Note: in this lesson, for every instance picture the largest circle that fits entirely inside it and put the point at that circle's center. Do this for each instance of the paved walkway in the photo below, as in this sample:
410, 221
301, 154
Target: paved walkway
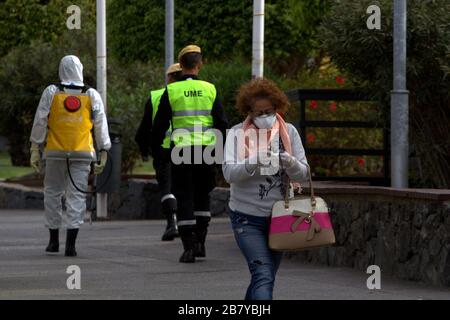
127, 260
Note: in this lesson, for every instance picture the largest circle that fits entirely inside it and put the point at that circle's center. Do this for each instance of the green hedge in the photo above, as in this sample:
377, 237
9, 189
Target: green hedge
222, 28
24, 21
366, 55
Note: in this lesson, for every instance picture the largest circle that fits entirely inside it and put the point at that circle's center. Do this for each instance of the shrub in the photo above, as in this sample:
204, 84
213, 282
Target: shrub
222, 28
128, 90
228, 76
26, 71
22, 21
327, 76
367, 56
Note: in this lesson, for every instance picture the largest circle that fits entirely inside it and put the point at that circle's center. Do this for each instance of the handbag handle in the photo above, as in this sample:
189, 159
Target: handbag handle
311, 188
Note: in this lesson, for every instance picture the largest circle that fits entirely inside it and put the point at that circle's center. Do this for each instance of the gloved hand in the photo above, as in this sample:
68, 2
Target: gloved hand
287, 161
99, 166
259, 160
35, 158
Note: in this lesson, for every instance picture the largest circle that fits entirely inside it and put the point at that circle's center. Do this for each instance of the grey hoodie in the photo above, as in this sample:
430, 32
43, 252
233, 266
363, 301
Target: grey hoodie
254, 193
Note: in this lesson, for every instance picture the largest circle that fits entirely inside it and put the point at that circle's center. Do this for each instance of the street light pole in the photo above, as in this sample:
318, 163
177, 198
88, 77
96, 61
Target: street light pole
258, 39
399, 101
102, 198
169, 34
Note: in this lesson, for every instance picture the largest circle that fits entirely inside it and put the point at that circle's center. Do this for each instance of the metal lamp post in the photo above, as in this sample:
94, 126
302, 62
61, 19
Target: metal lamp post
399, 101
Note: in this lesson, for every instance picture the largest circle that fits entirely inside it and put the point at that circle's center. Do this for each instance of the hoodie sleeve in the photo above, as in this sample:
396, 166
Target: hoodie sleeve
39, 130
233, 169
299, 171
99, 118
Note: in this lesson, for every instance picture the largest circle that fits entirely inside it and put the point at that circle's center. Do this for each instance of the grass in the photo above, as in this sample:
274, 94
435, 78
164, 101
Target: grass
144, 167
7, 170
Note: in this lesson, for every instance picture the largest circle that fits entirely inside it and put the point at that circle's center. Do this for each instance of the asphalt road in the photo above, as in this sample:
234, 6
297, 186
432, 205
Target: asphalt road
127, 260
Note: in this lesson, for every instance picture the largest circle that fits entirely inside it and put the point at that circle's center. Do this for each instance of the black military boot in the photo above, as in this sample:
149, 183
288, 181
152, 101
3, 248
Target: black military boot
53, 244
70, 242
188, 240
171, 231
169, 208
199, 248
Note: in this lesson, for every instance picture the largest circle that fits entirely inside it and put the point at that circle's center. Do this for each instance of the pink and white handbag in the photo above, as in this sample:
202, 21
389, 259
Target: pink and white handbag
301, 223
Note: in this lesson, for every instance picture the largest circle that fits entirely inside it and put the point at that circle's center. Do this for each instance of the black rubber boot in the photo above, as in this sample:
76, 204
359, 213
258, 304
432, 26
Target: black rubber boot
199, 248
188, 240
169, 208
70, 242
171, 231
53, 244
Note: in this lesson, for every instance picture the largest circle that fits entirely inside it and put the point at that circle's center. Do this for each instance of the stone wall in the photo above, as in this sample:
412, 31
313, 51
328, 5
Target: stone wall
16, 196
137, 199
140, 199
408, 239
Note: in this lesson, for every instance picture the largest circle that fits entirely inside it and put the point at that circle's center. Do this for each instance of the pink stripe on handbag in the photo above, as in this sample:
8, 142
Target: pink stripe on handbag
284, 223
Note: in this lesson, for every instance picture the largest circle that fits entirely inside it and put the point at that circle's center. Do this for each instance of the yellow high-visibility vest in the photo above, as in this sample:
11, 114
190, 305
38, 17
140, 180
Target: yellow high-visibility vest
156, 98
192, 102
70, 127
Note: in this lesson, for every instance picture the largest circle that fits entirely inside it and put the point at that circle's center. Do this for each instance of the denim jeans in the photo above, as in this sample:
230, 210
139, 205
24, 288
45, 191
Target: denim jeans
251, 234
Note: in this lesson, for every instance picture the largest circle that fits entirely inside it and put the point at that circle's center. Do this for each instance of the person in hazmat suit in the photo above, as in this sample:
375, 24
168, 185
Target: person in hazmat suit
67, 114
161, 157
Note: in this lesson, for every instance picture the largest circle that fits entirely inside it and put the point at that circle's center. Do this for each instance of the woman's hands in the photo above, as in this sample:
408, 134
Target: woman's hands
287, 160
261, 159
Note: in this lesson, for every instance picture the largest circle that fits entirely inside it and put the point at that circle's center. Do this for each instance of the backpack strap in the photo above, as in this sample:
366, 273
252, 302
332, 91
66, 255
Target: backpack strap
62, 86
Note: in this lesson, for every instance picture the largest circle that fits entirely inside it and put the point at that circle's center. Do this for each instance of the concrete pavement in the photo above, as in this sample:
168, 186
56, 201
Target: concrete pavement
127, 260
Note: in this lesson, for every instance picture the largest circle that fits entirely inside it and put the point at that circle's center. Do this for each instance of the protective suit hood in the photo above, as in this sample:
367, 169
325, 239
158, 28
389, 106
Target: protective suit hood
71, 71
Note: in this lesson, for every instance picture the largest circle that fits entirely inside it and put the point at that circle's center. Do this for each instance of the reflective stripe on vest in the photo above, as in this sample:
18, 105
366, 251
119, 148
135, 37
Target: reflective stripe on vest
69, 131
192, 102
156, 98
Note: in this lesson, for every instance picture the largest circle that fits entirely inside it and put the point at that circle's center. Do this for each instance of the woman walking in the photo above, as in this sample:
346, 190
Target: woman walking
260, 153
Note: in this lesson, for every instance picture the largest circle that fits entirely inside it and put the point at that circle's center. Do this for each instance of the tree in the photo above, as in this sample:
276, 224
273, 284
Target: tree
222, 28
367, 56
26, 71
22, 21
34, 38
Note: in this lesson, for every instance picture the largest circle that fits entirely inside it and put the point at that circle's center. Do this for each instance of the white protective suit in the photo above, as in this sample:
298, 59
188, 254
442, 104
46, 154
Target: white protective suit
56, 181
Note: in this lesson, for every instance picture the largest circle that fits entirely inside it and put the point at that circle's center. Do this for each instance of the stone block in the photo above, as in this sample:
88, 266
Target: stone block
219, 199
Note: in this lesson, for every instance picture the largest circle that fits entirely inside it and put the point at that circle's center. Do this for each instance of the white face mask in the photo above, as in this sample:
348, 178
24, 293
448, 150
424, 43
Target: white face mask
265, 122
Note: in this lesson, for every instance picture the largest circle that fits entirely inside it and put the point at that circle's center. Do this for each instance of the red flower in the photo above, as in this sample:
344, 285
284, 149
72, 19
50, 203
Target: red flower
340, 80
333, 106
311, 138
361, 162
313, 104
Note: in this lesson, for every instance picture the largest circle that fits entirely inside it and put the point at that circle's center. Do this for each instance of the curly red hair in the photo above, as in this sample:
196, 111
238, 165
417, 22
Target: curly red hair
261, 88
